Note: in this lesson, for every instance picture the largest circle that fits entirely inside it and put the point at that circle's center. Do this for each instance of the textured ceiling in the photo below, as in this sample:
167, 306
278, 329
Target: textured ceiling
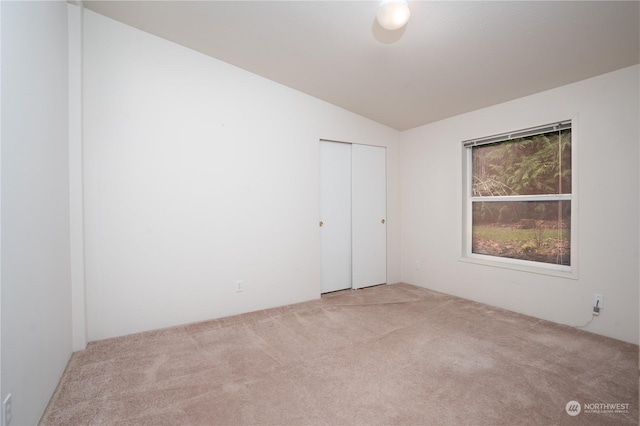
452, 57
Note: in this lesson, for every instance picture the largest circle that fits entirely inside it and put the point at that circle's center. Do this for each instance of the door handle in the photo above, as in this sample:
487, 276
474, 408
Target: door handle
382, 221
321, 224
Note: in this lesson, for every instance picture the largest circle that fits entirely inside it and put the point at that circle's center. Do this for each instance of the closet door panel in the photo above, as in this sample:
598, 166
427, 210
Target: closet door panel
335, 216
368, 201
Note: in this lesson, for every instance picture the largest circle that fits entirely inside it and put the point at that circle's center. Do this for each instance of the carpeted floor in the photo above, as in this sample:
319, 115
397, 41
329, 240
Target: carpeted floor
388, 355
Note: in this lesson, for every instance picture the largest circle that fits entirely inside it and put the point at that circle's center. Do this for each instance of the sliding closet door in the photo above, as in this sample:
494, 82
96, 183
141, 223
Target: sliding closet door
335, 216
369, 210
353, 236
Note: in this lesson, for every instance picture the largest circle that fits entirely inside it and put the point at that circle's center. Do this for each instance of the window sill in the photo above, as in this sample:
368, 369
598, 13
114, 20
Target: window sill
521, 265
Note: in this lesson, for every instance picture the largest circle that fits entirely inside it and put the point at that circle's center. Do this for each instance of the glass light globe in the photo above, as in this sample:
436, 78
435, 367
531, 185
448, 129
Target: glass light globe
393, 14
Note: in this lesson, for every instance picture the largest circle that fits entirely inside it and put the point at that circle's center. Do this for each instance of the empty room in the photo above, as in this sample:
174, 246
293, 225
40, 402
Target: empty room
319, 212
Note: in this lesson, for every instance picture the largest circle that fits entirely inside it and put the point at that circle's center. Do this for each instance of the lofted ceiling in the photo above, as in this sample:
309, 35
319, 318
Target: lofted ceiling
452, 57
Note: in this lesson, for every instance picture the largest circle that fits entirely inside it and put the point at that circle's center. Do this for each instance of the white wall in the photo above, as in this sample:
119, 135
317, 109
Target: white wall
36, 302
608, 215
198, 174
76, 180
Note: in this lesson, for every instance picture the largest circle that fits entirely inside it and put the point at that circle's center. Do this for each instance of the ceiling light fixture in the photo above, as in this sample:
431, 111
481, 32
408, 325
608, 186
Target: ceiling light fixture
393, 14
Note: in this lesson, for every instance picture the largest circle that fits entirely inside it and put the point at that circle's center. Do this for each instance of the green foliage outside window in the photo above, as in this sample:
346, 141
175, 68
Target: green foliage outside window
523, 227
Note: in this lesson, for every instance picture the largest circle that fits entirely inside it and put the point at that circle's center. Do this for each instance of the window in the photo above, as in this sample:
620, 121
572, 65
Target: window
519, 198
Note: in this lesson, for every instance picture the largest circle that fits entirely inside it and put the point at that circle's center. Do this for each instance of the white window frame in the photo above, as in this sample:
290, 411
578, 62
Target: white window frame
563, 271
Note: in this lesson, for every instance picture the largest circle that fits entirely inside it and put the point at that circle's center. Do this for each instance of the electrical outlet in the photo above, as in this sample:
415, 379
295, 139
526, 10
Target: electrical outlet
598, 303
6, 411
417, 264
239, 286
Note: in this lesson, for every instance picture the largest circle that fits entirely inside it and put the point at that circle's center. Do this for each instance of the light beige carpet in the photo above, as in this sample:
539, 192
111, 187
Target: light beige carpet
388, 355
